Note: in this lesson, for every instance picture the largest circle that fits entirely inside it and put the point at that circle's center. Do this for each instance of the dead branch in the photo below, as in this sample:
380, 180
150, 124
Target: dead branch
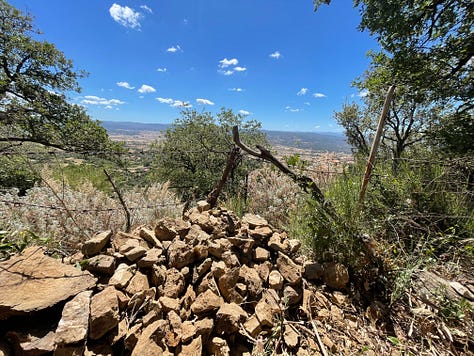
125, 208
306, 183
231, 160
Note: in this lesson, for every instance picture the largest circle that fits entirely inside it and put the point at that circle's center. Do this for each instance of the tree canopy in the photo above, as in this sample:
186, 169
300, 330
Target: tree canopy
195, 151
34, 79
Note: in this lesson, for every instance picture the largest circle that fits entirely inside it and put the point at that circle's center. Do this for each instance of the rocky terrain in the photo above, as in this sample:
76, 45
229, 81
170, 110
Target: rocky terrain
208, 284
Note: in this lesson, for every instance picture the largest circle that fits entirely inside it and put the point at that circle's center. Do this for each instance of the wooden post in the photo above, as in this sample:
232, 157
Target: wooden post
375, 144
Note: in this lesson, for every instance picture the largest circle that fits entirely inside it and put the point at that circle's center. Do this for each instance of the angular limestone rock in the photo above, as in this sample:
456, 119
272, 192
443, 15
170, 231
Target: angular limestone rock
206, 302
104, 313
290, 271
96, 244
101, 263
32, 281
74, 323
228, 318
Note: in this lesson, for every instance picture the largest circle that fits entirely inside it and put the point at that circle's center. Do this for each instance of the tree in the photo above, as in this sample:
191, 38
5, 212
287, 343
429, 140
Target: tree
195, 150
34, 79
427, 48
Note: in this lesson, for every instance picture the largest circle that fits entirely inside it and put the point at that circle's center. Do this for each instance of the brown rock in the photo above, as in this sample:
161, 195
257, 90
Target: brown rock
174, 283
254, 221
253, 326
290, 271
200, 251
218, 347
151, 257
294, 245
168, 229
204, 327
290, 336
188, 331
135, 253
150, 340
228, 318
275, 280
157, 275
263, 270
193, 349
227, 284
66, 350
149, 236
218, 247
291, 295
230, 259
278, 243
335, 275
264, 314
175, 322
200, 270
31, 345
101, 349
169, 304
261, 255
206, 302
104, 313
260, 233
122, 238
122, 276
218, 268
132, 336
101, 264
197, 234
96, 244
203, 205
251, 280
74, 323
180, 254
138, 283
32, 281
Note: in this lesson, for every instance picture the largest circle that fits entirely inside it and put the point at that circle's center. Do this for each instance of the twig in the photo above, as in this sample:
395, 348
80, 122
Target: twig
231, 160
127, 212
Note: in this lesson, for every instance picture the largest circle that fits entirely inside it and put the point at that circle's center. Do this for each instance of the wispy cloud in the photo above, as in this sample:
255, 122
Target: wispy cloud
174, 103
363, 93
163, 70
224, 63
240, 69
125, 85
302, 91
236, 89
125, 16
275, 55
227, 72
146, 8
174, 49
289, 108
244, 112
95, 100
144, 89
204, 102
319, 95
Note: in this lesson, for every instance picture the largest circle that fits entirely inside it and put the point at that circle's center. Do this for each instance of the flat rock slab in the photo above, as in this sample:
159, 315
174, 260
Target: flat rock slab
32, 281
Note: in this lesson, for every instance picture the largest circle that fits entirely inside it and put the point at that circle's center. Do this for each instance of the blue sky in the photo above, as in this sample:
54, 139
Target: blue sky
276, 61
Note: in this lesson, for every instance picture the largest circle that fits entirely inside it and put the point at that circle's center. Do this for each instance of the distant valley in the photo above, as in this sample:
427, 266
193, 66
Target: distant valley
319, 142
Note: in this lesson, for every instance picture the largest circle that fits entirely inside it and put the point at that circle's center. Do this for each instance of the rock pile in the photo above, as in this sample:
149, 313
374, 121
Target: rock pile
206, 284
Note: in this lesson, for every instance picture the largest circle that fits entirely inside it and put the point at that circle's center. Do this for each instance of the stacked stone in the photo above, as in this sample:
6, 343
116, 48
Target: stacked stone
205, 284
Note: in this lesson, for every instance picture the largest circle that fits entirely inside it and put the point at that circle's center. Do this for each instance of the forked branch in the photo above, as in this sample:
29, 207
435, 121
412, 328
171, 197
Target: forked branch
306, 183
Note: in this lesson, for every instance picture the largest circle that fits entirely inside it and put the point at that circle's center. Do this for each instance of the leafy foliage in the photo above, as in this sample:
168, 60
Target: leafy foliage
34, 77
195, 150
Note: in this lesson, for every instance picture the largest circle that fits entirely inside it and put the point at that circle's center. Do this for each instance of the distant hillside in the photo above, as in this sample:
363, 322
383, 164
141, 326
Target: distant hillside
332, 142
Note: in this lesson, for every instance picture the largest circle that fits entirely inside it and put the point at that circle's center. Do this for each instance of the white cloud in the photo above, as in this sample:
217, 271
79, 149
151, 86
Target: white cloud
146, 8
302, 91
244, 112
275, 55
240, 69
319, 95
125, 85
165, 100
125, 16
95, 100
163, 70
144, 89
224, 63
174, 103
307, 103
236, 89
204, 102
227, 72
317, 127
108, 107
174, 49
